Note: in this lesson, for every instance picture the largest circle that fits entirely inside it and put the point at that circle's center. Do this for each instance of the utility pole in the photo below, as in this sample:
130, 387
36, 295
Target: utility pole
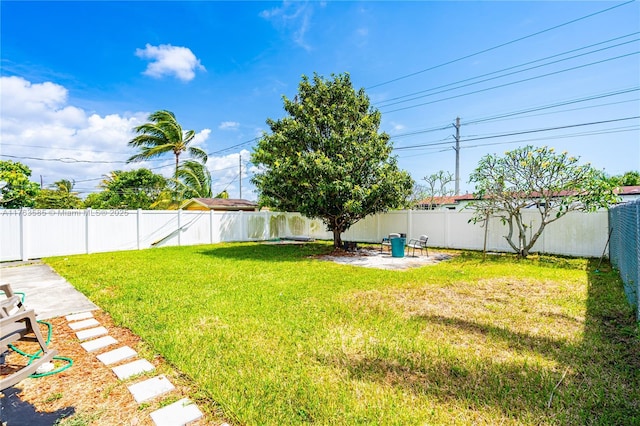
240, 173
457, 149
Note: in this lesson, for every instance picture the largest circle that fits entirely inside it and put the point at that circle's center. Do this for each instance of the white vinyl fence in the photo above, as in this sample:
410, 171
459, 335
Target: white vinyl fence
31, 234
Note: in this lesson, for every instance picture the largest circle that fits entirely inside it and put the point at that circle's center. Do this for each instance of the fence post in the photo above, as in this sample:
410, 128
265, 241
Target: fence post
87, 213
179, 226
23, 237
210, 226
138, 214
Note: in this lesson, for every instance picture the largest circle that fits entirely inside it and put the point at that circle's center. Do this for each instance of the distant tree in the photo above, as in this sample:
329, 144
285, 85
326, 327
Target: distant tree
60, 197
162, 135
631, 178
224, 194
553, 184
327, 160
16, 190
437, 186
193, 180
135, 189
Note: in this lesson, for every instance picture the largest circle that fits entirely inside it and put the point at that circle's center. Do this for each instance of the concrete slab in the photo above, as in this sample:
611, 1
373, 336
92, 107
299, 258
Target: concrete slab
79, 325
177, 414
78, 317
97, 344
151, 388
91, 333
131, 369
117, 355
46, 292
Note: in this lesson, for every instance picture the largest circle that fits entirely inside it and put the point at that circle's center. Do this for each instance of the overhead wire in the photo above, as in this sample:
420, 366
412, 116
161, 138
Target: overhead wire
514, 82
388, 104
500, 45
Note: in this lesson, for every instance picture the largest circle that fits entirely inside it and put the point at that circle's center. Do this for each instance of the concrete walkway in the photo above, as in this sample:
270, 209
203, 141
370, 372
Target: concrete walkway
45, 291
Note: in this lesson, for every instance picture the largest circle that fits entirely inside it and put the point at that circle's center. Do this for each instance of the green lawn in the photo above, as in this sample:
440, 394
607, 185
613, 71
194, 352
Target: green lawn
277, 337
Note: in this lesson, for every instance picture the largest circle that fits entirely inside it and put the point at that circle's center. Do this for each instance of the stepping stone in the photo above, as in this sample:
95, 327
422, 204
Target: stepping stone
80, 316
83, 324
91, 333
177, 414
102, 342
150, 389
133, 368
117, 355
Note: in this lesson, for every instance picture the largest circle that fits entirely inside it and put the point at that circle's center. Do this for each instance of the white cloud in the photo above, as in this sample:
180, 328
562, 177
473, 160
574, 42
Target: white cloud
200, 138
229, 125
170, 60
60, 141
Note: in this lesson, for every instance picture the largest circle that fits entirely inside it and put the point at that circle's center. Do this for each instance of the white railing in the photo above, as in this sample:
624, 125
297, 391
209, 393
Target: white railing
31, 234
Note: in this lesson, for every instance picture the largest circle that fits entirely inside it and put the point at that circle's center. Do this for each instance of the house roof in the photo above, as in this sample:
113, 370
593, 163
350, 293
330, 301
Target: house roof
452, 199
628, 190
221, 203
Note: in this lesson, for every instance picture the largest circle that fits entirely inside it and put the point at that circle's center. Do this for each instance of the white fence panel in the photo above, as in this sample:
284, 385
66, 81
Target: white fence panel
10, 235
111, 230
29, 234
54, 234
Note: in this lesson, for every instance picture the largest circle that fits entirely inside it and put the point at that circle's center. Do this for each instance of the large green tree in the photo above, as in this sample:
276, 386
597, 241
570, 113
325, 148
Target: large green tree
327, 159
163, 134
135, 189
16, 190
630, 178
535, 178
61, 196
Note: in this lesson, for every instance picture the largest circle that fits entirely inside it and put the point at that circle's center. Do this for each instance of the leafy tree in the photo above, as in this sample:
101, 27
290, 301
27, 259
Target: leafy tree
631, 178
193, 180
554, 184
61, 197
224, 194
164, 134
16, 190
437, 186
135, 189
327, 160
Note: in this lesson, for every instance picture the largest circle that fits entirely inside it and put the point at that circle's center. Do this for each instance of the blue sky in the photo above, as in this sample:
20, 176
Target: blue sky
78, 76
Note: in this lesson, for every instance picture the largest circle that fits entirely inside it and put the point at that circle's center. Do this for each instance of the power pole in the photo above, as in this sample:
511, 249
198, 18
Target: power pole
457, 149
240, 173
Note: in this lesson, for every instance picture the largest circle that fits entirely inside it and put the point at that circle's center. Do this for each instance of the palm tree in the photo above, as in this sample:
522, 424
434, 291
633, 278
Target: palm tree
193, 179
164, 134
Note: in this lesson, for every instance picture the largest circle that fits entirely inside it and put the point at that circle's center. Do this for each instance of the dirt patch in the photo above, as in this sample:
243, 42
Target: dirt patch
89, 393
367, 257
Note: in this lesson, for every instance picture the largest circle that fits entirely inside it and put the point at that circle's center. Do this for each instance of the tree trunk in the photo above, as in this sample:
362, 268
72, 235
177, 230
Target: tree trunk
337, 239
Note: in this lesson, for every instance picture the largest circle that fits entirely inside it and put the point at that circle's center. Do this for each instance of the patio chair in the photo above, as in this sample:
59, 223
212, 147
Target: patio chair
418, 244
19, 324
386, 241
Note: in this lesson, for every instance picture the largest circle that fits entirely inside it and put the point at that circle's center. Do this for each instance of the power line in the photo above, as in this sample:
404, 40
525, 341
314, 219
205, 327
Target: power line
513, 82
527, 110
499, 46
387, 103
521, 132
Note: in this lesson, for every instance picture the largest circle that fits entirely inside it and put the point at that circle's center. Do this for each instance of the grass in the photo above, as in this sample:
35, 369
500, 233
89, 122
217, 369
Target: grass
276, 336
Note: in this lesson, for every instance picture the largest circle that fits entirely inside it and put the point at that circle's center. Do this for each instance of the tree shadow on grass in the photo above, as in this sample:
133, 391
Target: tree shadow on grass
595, 381
267, 252
16, 412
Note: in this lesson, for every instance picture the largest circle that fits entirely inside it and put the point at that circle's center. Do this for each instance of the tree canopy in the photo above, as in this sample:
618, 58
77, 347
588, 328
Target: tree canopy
16, 190
135, 189
60, 196
535, 178
326, 159
164, 134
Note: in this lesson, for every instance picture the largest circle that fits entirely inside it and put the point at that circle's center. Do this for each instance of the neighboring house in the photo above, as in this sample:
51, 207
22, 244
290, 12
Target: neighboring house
452, 202
459, 202
628, 193
219, 204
